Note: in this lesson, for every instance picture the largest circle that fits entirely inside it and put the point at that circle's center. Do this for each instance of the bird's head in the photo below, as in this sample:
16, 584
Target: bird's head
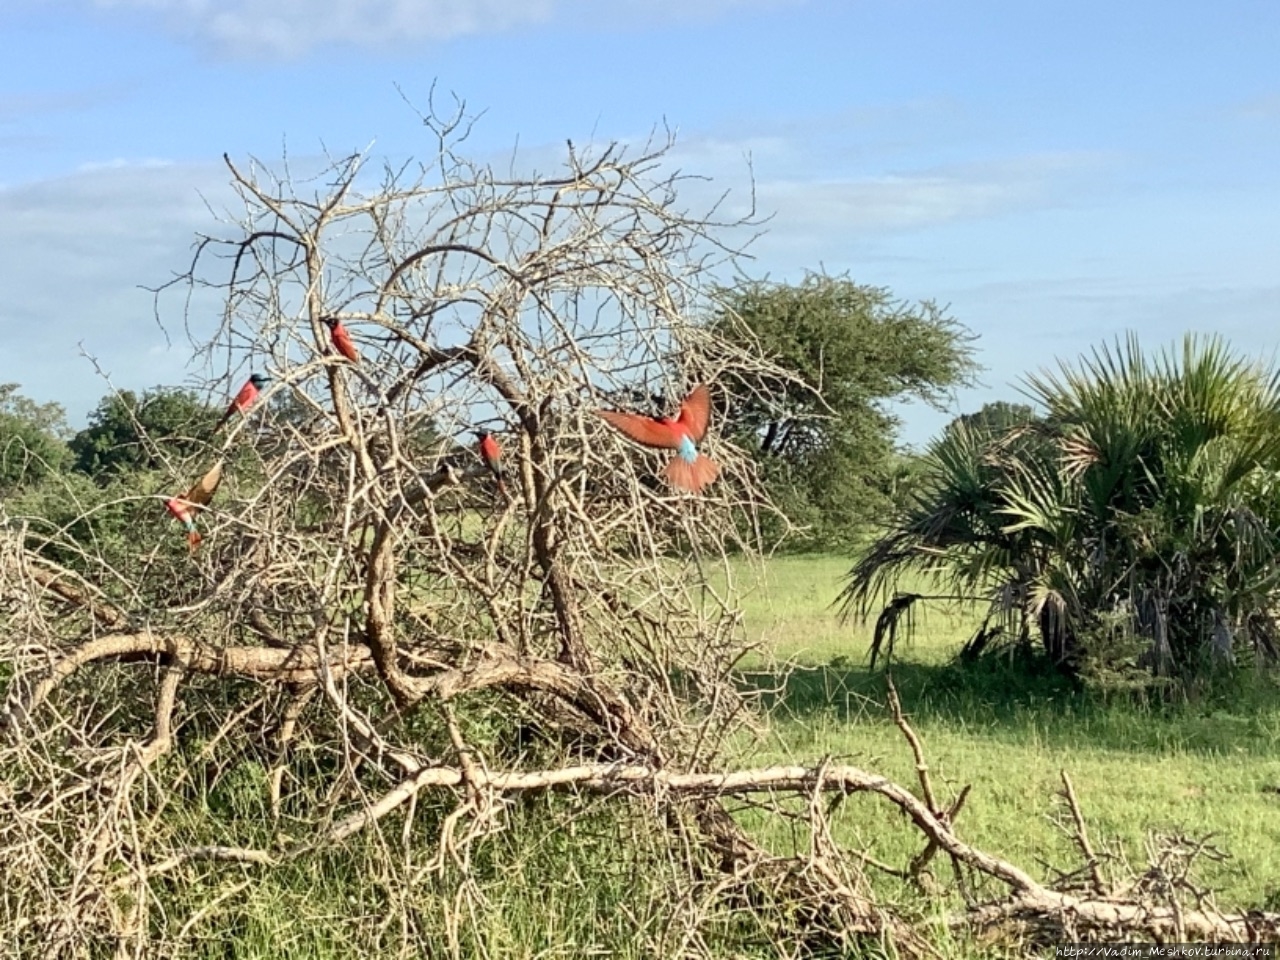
258, 380
329, 322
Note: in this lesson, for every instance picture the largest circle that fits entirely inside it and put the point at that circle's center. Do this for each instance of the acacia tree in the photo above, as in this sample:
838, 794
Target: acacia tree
997, 418
824, 435
375, 658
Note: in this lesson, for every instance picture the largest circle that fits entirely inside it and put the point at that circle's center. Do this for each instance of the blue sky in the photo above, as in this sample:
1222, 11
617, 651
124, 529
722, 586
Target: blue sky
1057, 173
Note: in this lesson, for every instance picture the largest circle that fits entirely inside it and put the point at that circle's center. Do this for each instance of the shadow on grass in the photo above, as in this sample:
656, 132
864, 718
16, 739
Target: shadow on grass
1021, 699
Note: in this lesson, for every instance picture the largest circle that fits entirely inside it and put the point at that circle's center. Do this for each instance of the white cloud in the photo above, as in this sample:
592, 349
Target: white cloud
15, 105
924, 198
813, 217
75, 253
290, 28
123, 163
891, 202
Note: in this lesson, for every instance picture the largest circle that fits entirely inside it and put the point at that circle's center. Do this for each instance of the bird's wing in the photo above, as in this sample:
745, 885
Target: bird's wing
695, 411
342, 340
203, 492
692, 476
642, 429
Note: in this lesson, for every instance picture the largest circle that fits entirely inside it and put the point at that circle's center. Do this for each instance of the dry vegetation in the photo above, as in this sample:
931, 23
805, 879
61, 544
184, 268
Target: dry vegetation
407, 657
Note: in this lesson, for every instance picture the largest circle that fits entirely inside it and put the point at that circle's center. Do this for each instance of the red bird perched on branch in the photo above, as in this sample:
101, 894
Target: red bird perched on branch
688, 469
245, 399
185, 507
341, 339
491, 454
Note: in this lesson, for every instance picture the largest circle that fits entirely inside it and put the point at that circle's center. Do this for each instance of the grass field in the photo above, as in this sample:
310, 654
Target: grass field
563, 882
1210, 765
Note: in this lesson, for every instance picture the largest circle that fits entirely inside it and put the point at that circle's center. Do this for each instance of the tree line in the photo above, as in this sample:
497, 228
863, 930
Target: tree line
1127, 522
826, 446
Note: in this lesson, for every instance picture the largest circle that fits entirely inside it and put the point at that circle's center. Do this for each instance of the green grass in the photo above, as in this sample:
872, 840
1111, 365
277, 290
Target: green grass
557, 884
1208, 765
789, 610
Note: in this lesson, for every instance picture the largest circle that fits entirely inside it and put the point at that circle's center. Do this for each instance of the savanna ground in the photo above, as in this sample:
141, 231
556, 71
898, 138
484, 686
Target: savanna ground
1207, 763
1204, 765
561, 884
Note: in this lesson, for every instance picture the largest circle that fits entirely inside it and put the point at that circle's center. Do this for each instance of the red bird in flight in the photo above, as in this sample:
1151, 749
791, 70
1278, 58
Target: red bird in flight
491, 454
185, 507
244, 399
688, 469
341, 339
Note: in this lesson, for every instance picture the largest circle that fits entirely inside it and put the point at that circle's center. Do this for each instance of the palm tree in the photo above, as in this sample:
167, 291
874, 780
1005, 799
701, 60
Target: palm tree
1145, 495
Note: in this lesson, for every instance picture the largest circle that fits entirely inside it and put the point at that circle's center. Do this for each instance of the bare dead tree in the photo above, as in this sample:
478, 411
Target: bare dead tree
399, 648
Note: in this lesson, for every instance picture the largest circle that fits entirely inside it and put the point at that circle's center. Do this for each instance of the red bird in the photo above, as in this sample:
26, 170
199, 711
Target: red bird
491, 454
185, 507
688, 469
244, 399
341, 339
